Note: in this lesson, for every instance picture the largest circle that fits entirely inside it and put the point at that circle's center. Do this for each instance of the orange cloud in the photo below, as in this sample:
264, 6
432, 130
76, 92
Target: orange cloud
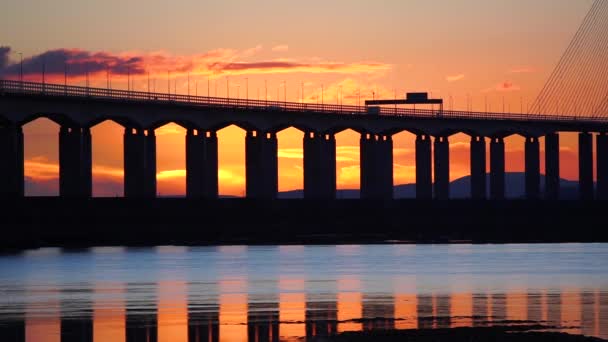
97, 65
350, 91
280, 48
522, 70
454, 78
507, 86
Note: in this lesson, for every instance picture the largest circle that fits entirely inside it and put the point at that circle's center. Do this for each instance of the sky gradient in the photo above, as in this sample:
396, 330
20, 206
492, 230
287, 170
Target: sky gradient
475, 54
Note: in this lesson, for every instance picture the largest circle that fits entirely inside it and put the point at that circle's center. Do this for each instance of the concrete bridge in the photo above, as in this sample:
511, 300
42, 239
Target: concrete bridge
77, 109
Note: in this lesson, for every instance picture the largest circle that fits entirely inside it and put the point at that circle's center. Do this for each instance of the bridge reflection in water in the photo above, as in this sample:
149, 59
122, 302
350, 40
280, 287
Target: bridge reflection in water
280, 293
237, 317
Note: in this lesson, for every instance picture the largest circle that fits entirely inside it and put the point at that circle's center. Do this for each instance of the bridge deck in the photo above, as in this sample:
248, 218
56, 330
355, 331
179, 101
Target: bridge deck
58, 90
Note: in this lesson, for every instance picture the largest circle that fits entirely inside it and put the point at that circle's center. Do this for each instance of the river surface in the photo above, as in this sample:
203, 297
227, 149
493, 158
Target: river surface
272, 293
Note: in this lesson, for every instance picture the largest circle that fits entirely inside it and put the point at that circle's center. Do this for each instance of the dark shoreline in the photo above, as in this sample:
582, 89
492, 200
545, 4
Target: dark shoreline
37, 222
477, 334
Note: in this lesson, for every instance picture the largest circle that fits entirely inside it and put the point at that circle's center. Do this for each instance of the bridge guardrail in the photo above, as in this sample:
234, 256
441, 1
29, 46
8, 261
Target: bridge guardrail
49, 89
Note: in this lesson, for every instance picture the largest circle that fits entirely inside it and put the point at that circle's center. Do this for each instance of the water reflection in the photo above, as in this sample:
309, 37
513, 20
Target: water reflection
281, 294
240, 318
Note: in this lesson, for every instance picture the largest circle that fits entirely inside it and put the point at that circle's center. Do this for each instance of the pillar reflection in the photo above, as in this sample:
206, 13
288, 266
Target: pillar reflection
76, 317
480, 309
424, 311
141, 314
321, 317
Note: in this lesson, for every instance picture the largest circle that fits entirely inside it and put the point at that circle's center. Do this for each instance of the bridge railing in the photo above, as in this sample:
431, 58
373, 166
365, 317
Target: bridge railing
58, 90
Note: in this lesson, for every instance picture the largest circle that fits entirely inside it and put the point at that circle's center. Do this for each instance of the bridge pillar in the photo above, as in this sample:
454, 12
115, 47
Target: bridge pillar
75, 163
194, 164
385, 173
150, 155
376, 160
261, 154
424, 184
532, 160
552, 166
478, 167
201, 164
11, 161
442, 168
602, 166
585, 166
210, 186
139, 163
497, 169
319, 166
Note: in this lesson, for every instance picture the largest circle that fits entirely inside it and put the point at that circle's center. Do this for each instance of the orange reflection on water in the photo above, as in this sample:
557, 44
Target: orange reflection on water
292, 308
233, 310
43, 326
406, 311
349, 300
517, 306
349, 308
571, 313
172, 311
461, 310
109, 319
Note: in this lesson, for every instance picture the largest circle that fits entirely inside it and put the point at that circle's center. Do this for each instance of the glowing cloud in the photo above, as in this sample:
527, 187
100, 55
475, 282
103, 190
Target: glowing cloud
507, 86
454, 78
78, 63
522, 70
280, 48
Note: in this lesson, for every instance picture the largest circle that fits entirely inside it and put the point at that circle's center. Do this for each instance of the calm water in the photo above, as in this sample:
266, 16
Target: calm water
282, 292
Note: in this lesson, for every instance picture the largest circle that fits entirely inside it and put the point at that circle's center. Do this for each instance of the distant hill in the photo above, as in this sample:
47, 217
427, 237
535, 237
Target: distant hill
461, 188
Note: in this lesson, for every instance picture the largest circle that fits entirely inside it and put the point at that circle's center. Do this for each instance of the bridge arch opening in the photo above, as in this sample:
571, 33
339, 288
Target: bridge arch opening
291, 163
569, 168
170, 160
41, 157
107, 159
348, 164
515, 166
404, 165
231, 161
460, 165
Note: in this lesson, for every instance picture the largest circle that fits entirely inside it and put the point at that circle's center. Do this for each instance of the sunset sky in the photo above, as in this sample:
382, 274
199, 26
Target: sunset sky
497, 53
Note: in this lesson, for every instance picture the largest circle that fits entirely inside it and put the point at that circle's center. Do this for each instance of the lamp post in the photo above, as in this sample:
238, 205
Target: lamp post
247, 90
21, 67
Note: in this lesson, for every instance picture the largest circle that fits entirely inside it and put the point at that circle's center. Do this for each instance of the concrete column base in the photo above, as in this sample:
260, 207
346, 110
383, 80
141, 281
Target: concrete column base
11, 161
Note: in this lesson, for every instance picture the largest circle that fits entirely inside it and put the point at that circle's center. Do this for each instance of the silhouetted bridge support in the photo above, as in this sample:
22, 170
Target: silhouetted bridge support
11, 161
497, 169
442, 168
424, 184
532, 166
585, 160
201, 164
77, 109
262, 169
602, 166
552, 166
140, 163
478, 168
376, 160
75, 162
319, 166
